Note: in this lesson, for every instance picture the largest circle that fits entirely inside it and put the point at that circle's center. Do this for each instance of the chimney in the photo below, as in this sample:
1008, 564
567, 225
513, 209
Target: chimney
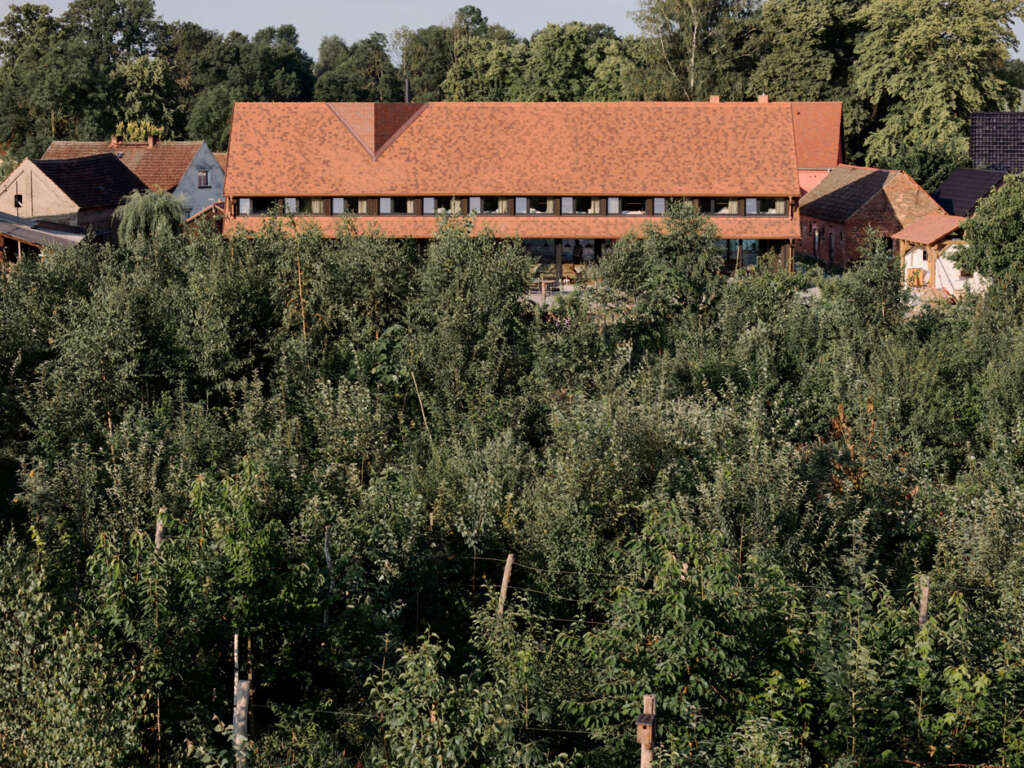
115, 141
151, 140
407, 90
762, 99
715, 99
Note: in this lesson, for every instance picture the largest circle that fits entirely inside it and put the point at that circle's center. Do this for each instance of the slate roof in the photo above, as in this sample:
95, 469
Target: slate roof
489, 148
160, 166
843, 192
99, 181
997, 141
960, 193
929, 229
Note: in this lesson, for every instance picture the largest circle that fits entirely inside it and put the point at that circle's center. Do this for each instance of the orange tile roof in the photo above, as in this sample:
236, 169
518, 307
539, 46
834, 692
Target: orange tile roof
222, 159
488, 148
160, 166
818, 126
930, 229
527, 227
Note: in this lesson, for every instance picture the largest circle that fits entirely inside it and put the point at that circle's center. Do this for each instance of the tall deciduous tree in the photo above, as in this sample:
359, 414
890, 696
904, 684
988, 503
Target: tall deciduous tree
924, 67
695, 45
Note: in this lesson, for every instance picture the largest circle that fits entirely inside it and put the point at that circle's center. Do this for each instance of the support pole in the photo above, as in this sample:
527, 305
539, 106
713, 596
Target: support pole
645, 731
240, 725
922, 614
504, 583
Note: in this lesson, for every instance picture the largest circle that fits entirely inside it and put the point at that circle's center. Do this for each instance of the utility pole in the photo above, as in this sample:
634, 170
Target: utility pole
504, 583
645, 731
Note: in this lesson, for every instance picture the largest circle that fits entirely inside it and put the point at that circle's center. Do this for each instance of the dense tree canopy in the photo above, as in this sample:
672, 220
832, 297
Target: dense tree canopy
727, 491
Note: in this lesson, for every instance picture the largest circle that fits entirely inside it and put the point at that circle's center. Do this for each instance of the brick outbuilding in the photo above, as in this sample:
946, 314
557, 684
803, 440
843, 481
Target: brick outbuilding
835, 215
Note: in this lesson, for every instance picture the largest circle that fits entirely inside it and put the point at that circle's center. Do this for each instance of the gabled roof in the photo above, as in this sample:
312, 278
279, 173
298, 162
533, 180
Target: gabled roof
100, 181
997, 141
930, 229
160, 166
960, 193
222, 159
818, 126
843, 192
491, 148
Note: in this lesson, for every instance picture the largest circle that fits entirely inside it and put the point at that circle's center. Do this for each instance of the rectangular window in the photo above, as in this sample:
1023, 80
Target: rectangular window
429, 206
659, 206
613, 206
291, 205
634, 206
773, 206
752, 207
581, 205
495, 206
539, 205
401, 205
17, 201
337, 205
385, 206
357, 205
203, 180
319, 206
245, 206
521, 206
474, 204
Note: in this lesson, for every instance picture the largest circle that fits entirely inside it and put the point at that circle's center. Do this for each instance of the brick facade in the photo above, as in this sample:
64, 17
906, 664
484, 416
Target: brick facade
900, 201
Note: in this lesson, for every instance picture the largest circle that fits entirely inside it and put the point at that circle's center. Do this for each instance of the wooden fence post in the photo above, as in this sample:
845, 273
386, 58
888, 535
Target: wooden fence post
504, 583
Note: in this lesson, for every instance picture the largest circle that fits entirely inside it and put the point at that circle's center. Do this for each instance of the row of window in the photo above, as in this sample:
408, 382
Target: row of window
502, 206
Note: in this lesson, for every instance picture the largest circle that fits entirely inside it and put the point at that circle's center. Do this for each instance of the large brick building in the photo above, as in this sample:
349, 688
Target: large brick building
554, 174
835, 215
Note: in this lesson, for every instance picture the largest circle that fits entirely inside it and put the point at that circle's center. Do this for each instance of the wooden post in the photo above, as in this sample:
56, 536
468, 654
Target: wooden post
645, 725
922, 614
504, 583
558, 263
240, 724
931, 266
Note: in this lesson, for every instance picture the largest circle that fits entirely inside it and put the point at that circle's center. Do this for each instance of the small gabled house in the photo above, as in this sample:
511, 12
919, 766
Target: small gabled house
927, 250
836, 214
187, 169
80, 192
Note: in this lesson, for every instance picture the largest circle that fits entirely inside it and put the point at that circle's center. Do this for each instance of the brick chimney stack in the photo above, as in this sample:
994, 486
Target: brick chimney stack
151, 141
715, 99
762, 99
115, 141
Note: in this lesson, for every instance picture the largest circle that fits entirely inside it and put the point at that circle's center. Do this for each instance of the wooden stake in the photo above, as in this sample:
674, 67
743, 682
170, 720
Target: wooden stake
240, 725
504, 583
645, 731
922, 615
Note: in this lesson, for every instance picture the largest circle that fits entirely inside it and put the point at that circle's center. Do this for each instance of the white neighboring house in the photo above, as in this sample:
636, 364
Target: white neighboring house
927, 249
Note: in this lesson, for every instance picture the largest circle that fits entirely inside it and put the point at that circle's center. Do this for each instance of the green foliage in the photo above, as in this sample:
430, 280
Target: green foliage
996, 234
145, 216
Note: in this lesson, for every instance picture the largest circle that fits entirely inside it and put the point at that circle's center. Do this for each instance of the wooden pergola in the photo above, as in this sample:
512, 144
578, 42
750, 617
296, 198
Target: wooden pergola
933, 233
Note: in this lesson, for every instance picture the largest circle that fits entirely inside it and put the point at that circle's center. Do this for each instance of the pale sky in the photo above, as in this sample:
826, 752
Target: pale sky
355, 19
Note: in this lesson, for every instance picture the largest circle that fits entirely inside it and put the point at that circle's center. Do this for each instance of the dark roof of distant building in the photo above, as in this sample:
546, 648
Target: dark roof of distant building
39, 233
997, 141
844, 192
100, 181
160, 164
960, 193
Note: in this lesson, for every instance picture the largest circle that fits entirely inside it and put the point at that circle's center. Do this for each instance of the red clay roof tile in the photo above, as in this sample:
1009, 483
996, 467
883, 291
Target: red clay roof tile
478, 148
818, 126
160, 166
930, 229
